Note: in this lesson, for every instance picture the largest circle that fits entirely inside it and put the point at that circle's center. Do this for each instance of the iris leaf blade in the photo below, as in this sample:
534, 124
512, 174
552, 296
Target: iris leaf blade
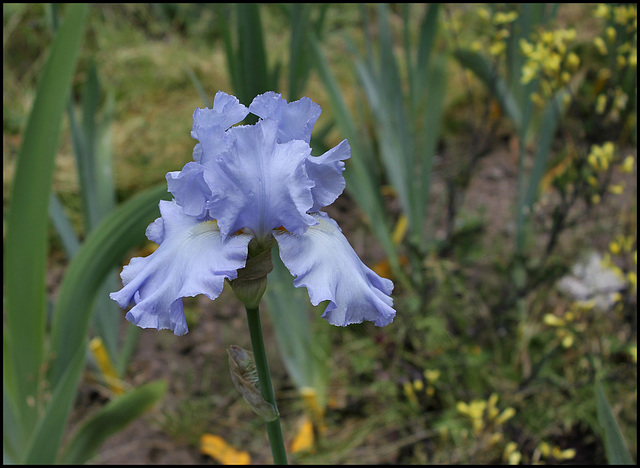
110, 419
27, 229
616, 447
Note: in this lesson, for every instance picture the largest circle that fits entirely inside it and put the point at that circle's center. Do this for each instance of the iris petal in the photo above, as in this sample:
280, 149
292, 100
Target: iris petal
323, 261
295, 122
326, 173
189, 188
295, 119
260, 184
192, 259
209, 125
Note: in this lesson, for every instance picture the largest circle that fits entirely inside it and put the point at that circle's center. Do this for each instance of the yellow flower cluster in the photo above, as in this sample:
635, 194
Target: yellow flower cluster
511, 454
601, 156
600, 159
549, 60
411, 389
545, 450
484, 413
623, 15
619, 38
624, 247
500, 21
568, 322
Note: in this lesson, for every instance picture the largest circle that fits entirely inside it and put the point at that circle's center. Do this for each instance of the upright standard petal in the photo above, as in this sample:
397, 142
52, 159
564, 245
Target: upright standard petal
295, 119
260, 184
295, 122
192, 259
209, 125
323, 261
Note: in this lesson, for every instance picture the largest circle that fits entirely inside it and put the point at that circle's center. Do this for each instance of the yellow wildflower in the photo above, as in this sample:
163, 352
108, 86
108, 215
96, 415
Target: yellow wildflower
529, 73
573, 61
600, 45
537, 99
418, 385
602, 11
547, 37
563, 454
484, 13
497, 48
628, 164
504, 18
495, 438
616, 189
614, 247
526, 47
553, 320
622, 62
601, 103
431, 375
552, 64
633, 57
507, 414
409, 393
462, 407
567, 341
509, 449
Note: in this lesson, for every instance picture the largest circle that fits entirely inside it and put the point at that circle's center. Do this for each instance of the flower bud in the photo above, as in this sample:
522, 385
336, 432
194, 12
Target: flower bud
245, 379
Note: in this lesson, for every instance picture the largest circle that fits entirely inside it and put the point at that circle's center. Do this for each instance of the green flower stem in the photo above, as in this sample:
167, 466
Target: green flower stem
274, 431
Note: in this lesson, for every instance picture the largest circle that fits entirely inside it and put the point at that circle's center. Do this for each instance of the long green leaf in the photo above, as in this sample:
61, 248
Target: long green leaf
102, 250
428, 142
45, 440
617, 452
298, 69
550, 118
27, 223
428, 29
63, 226
252, 58
109, 420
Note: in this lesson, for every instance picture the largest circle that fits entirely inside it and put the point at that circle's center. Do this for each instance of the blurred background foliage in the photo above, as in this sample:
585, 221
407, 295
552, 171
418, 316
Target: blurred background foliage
494, 157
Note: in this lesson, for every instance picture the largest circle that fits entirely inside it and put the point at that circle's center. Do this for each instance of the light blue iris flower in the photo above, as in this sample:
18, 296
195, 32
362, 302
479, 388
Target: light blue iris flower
246, 182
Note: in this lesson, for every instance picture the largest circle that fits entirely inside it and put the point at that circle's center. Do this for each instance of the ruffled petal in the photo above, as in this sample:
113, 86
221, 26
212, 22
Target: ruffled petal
260, 184
326, 173
295, 119
209, 125
323, 261
192, 259
189, 188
